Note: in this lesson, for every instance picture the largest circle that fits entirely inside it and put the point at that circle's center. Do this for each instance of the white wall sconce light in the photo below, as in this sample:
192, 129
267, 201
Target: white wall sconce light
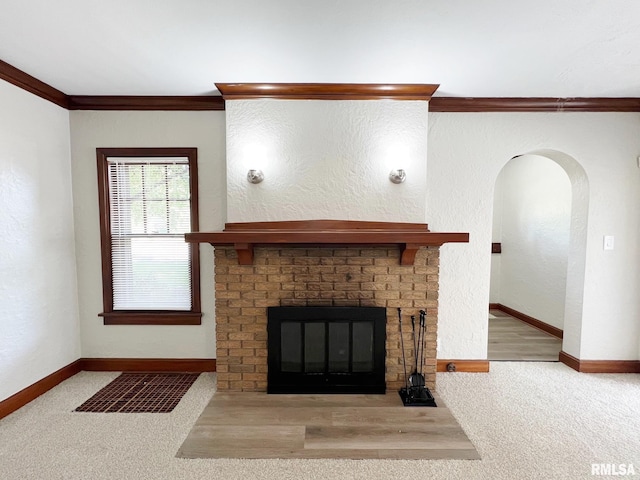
255, 176
397, 176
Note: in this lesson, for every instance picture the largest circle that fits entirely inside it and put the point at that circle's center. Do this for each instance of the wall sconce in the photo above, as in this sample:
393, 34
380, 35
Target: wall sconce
255, 176
397, 176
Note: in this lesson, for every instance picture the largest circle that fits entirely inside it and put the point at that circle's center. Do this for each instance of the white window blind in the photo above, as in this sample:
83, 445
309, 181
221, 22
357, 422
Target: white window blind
149, 215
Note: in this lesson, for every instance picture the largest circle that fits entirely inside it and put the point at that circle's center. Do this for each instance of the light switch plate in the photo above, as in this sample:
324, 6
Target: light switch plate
608, 242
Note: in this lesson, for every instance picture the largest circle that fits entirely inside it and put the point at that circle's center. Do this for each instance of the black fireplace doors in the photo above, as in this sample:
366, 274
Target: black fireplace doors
326, 349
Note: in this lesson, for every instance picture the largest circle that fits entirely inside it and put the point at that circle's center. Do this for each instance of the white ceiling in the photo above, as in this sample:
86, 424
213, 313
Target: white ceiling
472, 48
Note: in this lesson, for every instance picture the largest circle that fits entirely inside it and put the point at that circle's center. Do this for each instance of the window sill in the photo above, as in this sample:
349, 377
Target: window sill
152, 318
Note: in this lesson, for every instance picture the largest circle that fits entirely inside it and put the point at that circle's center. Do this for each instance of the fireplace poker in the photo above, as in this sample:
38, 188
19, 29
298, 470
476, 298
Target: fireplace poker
423, 326
413, 334
404, 362
416, 380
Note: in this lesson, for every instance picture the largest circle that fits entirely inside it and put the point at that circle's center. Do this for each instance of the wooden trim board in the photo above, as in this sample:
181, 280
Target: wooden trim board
534, 322
148, 103
31, 84
534, 104
196, 365
472, 366
569, 360
26, 395
600, 366
326, 91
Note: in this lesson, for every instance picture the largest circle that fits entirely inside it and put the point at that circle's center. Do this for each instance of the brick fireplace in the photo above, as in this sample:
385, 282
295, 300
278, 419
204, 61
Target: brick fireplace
321, 263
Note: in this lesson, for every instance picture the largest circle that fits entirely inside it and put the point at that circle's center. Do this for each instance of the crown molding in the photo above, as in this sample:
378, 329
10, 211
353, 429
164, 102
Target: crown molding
31, 84
326, 91
534, 104
124, 102
316, 91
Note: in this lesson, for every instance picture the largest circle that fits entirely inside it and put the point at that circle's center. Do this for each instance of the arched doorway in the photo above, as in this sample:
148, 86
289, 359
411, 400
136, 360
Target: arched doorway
540, 216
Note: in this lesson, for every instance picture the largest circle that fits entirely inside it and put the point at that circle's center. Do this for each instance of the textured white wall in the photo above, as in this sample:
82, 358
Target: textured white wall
466, 153
534, 220
39, 331
326, 159
89, 130
496, 236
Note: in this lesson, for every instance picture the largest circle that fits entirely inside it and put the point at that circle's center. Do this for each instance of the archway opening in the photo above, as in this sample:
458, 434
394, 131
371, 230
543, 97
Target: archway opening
537, 279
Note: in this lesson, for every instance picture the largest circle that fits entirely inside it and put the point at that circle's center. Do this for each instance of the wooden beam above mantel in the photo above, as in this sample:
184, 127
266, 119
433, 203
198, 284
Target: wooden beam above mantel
410, 237
326, 91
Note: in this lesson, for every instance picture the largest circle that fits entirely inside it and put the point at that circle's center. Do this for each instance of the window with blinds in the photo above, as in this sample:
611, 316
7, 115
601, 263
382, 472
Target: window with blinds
150, 272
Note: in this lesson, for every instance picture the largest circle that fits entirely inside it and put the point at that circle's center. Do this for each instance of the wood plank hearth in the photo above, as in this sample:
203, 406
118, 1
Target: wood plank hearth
235, 425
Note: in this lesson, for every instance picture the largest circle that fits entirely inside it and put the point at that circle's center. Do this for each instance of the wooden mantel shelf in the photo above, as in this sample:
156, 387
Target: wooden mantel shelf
327, 91
410, 237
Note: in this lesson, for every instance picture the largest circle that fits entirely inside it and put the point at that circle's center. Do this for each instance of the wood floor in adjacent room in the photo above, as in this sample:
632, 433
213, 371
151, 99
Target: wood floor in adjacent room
258, 425
515, 340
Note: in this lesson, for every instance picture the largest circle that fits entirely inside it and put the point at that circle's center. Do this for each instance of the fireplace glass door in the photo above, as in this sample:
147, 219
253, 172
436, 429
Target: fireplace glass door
326, 349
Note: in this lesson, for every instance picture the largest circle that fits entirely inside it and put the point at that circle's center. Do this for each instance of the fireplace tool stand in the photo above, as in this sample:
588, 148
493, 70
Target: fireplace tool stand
415, 393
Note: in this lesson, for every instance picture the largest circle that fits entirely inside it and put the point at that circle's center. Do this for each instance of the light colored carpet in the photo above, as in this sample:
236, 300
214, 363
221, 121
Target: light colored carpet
527, 420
